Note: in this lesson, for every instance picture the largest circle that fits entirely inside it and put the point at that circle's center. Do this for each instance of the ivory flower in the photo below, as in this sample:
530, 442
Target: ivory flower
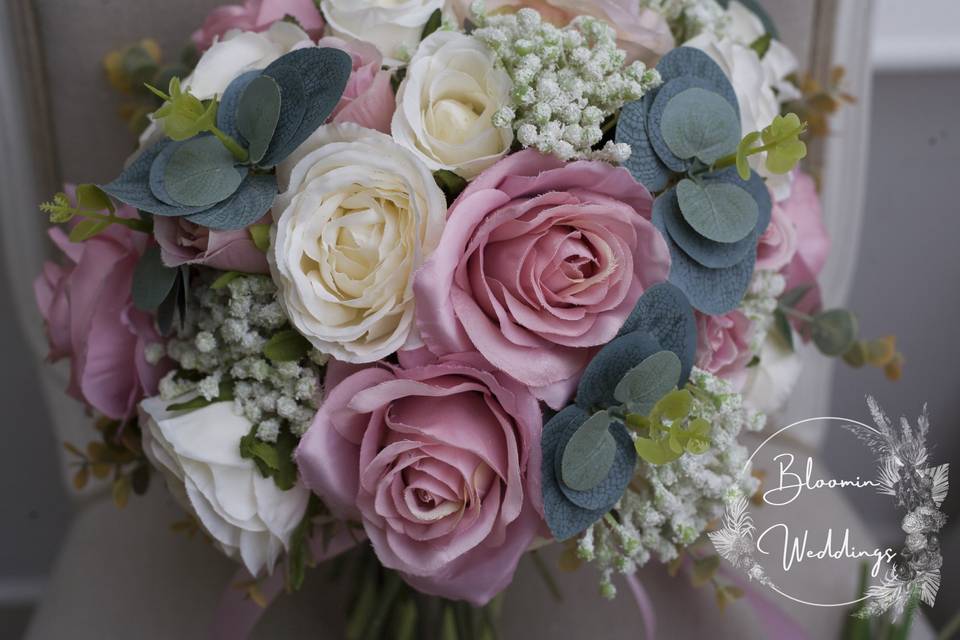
446, 104
395, 26
247, 515
359, 215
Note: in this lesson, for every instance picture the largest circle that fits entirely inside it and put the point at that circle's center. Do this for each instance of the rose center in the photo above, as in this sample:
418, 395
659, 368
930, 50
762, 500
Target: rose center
453, 120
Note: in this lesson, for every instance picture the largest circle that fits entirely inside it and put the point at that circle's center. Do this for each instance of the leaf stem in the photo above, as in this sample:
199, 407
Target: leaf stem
793, 313
232, 145
134, 224
730, 160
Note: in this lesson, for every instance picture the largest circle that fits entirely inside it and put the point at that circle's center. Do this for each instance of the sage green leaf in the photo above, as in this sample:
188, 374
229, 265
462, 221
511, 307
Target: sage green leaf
152, 280
589, 455
834, 331
718, 211
646, 383
793, 297
700, 124
781, 328
201, 173
257, 115
286, 346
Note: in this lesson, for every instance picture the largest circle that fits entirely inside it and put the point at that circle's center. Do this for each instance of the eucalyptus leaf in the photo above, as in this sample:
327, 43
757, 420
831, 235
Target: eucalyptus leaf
697, 123
152, 280
793, 297
249, 204
201, 173
715, 255
664, 312
286, 346
782, 330
643, 164
230, 102
834, 331
608, 367
719, 211
643, 386
257, 115
132, 187
690, 62
588, 456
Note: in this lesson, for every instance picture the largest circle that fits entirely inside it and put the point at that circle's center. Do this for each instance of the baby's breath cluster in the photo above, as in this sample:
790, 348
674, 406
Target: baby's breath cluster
760, 303
219, 353
669, 506
566, 81
689, 18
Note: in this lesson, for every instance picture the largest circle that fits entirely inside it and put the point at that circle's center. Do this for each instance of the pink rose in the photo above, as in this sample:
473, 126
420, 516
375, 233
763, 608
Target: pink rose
368, 99
540, 263
183, 242
643, 33
723, 345
441, 463
803, 209
257, 15
91, 320
778, 244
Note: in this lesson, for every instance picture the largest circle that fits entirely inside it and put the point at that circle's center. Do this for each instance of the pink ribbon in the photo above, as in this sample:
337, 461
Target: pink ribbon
237, 614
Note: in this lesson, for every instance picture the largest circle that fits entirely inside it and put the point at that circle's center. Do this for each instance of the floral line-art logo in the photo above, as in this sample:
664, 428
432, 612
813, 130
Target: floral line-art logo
904, 473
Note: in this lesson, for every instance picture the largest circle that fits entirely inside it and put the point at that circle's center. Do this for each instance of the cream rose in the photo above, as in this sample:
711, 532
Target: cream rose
395, 26
358, 216
198, 453
772, 379
446, 103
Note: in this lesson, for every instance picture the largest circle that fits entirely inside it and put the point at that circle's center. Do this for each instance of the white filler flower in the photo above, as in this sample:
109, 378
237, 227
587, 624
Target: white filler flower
359, 215
198, 452
446, 104
394, 26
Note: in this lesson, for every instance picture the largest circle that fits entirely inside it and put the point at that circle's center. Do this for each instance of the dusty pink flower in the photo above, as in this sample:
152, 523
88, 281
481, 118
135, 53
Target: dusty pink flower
540, 263
368, 99
803, 209
723, 345
440, 462
643, 33
257, 15
91, 320
183, 242
778, 244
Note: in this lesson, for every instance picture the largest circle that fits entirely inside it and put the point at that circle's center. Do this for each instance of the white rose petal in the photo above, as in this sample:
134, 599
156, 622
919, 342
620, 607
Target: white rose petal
198, 452
772, 379
446, 103
394, 26
358, 216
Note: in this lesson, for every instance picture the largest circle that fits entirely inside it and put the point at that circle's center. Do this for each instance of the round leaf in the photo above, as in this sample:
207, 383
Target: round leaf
152, 280
718, 211
646, 383
700, 124
834, 331
257, 115
200, 173
588, 456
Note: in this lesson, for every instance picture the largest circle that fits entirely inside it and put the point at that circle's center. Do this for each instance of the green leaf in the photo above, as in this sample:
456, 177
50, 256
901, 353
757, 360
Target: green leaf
675, 405
86, 229
152, 280
856, 356
433, 23
655, 451
90, 196
257, 115
792, 297
450, 183
286, 346
782, 138
589, 454
762, 44
201, 173
260, 234
286, 476
834, 331
183, 115
225, 279
252, 447
642, 386
700, 124
225, 395
782, 329
718, 211
743, 151
704, 569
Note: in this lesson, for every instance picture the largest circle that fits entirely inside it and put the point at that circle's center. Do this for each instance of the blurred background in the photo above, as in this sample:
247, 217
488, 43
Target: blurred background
907, 282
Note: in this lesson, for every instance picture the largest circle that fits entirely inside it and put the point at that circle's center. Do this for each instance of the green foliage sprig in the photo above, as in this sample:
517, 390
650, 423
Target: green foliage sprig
780, 141
184, 116
97, 210
119, 454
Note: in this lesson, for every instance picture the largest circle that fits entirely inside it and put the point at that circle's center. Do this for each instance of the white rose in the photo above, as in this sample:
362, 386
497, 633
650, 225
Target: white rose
395, 26
446, 103
359, 215
754, 82
198, 452
772, 379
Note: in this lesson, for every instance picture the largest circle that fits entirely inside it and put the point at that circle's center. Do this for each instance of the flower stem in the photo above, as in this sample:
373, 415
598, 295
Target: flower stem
232, 145
134, 224
793, 313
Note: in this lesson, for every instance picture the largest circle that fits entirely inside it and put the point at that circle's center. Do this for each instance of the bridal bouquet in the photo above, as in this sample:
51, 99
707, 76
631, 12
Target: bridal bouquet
448, 283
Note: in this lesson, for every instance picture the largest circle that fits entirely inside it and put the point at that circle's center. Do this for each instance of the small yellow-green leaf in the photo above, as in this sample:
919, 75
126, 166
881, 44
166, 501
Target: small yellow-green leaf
88, 228
286, 346
675, 405
80, 478
260, 234
92, 197
655, 451
704, 569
